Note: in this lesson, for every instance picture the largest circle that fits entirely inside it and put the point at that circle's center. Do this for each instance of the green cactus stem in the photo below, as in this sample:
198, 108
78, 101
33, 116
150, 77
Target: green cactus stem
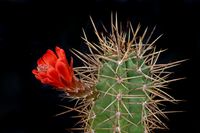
127, 85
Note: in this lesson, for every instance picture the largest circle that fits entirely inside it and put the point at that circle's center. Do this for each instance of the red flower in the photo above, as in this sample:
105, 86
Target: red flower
53, 69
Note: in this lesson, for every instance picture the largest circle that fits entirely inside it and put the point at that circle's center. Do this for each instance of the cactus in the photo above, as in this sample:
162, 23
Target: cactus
122, 69
122, 86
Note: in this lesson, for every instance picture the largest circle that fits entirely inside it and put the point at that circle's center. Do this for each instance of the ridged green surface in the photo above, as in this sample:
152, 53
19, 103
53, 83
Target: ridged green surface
119, 106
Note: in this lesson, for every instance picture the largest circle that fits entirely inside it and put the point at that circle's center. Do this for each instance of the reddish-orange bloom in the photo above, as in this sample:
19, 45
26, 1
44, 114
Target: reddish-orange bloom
53, 69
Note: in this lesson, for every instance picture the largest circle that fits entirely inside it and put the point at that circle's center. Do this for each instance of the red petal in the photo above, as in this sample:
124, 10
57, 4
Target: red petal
45, 81
52, 74
63, 71
61, 55
71, 66
71, 62
52, 82
40, 61
42, 75
49, 58
60, 52
37, 77
34, 71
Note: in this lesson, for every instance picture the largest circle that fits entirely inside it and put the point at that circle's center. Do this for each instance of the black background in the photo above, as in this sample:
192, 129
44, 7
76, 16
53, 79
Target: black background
28, 28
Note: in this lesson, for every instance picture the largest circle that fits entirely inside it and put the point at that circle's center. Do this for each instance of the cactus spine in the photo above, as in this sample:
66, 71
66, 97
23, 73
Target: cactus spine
126, 83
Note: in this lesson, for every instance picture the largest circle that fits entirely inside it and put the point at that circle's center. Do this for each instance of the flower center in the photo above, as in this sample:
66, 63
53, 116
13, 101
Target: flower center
42, 68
